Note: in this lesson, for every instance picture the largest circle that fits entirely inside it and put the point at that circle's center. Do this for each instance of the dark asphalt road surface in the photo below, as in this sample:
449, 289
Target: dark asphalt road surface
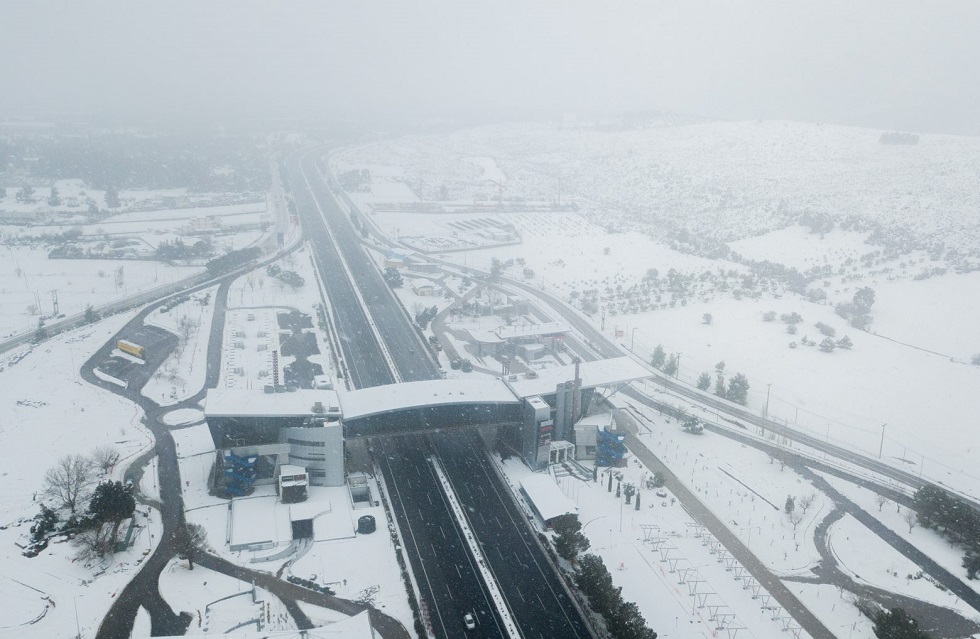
534, 591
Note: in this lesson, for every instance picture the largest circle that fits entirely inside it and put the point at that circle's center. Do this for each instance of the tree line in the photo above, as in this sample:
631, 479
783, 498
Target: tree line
954, 518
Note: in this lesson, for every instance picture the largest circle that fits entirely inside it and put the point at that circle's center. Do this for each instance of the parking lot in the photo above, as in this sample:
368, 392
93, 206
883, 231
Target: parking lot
157, 343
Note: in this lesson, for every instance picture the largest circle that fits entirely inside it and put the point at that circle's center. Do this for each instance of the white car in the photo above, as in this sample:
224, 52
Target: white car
661, 493
469, 621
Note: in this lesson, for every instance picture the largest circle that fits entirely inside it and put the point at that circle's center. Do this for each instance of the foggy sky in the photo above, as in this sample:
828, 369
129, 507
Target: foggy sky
891, 64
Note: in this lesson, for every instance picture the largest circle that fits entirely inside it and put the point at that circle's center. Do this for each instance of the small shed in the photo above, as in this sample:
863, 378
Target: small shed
423, 286
545, 497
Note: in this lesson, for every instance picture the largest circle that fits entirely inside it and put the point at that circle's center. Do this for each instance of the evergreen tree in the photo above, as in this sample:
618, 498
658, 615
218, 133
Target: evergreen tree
45, 523
26, 194
738, 389
594, 580
393, 278
496, 269
896, 624
570, 540
828, 345
845, 342
863, 300
41, 332
91, 315
704, 381
720, 385
790, 504
55, 198
693, 425
111, 197
112, 502
671, 366
659, 357
628, 623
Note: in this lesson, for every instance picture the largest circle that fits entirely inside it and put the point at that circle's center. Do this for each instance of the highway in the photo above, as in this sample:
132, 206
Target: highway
448, 581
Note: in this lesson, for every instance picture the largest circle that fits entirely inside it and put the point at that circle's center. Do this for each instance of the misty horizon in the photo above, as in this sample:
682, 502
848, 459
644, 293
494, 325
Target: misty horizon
882, 65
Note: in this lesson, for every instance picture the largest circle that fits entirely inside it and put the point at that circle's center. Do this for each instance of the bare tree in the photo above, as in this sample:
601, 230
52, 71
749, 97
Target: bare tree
881, 500
190, 541
94, 543
795, 518
911, 518
105, 457
66, 480
806, 501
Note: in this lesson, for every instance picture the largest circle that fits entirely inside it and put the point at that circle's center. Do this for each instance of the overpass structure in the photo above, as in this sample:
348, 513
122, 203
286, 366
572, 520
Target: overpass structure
306, 423
533, 412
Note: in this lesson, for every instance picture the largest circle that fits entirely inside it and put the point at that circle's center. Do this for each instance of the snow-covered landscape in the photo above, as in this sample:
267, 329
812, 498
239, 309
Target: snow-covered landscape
503, 320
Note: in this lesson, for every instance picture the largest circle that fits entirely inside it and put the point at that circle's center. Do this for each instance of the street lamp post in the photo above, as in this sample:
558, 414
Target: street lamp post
768, 390
881, 446
633, 337
677, 371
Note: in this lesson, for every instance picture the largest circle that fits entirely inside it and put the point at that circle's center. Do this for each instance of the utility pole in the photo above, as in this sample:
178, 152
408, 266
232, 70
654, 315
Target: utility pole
677, 372
768, 390
633, 337
881, 447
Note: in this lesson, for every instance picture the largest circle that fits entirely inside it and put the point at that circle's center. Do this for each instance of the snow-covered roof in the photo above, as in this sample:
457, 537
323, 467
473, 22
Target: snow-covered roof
599, 420
395, 397
422, 282
240, 402
484, 336
546, 496
532, 330
598, 373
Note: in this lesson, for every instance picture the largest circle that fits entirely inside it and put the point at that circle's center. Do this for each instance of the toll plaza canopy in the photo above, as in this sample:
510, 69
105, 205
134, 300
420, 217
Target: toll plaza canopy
445, 403
429, 404
601, 372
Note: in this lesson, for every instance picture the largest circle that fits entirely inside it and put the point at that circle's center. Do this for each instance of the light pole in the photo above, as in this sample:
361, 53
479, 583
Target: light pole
633, 337
881, 446
768, 390
677, 371
749, 544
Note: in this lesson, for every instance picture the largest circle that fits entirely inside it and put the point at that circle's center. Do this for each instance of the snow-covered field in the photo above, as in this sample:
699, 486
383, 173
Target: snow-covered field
49, 413
748, 187
29, 277
724, 180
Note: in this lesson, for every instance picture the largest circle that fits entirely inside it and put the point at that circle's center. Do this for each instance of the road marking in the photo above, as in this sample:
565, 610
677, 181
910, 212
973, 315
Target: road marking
495, 594
350, 277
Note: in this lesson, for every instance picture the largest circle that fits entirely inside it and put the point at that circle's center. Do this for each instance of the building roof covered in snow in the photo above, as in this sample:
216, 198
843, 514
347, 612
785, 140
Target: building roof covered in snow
601, 372
244, 402
395, 397
546, 497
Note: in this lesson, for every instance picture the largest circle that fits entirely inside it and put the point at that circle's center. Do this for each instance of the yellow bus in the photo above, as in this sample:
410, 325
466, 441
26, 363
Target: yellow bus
133, 349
